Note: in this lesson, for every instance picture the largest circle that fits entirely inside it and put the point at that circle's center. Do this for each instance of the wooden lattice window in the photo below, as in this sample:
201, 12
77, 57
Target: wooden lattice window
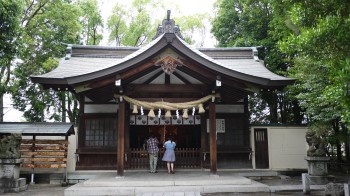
101, 132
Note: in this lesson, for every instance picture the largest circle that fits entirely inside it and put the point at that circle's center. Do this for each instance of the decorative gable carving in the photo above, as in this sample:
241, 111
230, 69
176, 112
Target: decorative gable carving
168, 61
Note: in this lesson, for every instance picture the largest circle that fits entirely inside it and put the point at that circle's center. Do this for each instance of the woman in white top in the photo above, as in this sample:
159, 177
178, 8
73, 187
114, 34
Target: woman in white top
169, 154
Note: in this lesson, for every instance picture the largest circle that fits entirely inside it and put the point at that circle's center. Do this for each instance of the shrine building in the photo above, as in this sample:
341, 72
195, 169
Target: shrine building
198, 95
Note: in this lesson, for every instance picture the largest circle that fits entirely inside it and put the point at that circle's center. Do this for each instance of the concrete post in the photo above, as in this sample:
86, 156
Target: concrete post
346, 189
306, 183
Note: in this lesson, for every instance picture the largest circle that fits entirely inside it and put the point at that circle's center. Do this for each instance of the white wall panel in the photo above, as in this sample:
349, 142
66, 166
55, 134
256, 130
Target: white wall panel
230, 108
101, 108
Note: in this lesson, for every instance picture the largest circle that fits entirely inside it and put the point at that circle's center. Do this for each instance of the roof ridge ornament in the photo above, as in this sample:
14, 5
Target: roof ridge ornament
168, 14
168, 26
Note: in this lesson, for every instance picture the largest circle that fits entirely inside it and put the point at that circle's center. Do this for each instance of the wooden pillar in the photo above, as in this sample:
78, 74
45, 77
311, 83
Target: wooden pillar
33, 150
81, 123
204, 146
212, 135
127, 135
121, 132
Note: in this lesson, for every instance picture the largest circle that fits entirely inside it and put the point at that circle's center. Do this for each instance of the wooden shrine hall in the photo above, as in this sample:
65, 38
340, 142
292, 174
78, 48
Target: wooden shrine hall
166, 87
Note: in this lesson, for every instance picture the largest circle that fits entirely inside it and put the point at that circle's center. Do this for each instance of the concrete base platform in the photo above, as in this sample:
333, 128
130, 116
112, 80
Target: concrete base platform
180, 183
13, 185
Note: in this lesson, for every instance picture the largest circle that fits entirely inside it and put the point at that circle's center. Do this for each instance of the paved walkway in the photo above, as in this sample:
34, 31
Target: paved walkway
182, 183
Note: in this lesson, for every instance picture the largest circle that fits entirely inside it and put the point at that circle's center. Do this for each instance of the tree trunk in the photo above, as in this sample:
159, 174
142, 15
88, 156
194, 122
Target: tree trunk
297, 112
271, 99
346, 142
1, 107
63, 100
336, 132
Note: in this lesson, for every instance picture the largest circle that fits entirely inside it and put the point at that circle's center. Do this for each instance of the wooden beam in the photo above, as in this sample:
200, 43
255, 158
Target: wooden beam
136, 70
171, 88
46, 159
44, 153
44, 141
211, 75
171, 100
56, 166
138, 75
212, 135
121, 133
181, 78
111, 79
149, 80
167, 79
196, 75
46, 147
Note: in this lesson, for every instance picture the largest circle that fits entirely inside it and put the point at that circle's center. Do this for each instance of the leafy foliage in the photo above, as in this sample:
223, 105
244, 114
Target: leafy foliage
320, 52
322, 64
44, 28
191, 25
10, 12
136, 26
133, 26
92, 22
259, 23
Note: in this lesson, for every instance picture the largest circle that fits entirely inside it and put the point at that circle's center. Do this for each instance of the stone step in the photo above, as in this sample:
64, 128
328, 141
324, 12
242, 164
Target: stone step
80, 190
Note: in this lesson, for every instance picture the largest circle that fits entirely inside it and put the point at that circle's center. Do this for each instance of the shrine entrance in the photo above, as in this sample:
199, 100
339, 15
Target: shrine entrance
188, 145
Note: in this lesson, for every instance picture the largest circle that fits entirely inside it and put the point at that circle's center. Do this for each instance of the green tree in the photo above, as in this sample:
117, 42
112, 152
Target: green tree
92, 22
191, 25
256, 23
10, 12
44, 28
116, 24
136, 26
319, 52
132, 26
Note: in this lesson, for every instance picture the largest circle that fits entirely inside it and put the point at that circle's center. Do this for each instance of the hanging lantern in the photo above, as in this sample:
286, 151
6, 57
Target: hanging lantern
185, 113
193, 111
168, 114
177, 114
201, 109
134, 111
151, 113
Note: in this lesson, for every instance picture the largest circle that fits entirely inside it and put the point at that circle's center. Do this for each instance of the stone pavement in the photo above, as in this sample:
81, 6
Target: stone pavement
182, 183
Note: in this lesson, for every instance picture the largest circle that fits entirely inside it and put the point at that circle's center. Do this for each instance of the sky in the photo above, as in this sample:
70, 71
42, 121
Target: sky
184, 7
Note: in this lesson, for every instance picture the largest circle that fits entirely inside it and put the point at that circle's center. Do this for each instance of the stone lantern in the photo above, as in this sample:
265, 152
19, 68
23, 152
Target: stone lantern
10, 160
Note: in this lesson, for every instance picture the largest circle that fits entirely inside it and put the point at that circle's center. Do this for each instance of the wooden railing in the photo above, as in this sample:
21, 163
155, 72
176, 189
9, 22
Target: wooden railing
137, 158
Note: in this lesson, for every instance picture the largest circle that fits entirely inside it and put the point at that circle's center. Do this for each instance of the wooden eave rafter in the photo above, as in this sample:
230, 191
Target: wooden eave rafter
102, 94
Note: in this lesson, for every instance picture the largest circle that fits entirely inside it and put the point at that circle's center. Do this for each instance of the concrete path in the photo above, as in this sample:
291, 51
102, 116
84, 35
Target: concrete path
182, 183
